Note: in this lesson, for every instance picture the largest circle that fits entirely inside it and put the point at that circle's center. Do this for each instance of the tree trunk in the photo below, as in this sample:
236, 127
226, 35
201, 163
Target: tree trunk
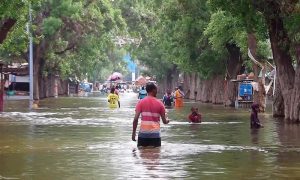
217, 96
38, 66
296, 94
252, 45
260, 96
295, 98
295, 108
186, 85
289, 83
278, 104
36, 72
234, 64
207, 91
63, 86
193, 85
170, 81
45, 86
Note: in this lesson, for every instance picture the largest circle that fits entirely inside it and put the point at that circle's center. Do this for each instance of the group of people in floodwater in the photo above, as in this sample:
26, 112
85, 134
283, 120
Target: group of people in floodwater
175, 98
152, 110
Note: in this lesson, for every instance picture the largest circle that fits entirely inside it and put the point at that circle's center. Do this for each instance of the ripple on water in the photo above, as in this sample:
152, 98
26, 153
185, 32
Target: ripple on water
3, 177
170, 160
205, 123
176, 149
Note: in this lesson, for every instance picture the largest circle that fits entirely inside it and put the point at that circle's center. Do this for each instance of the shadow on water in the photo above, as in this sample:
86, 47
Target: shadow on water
81, 138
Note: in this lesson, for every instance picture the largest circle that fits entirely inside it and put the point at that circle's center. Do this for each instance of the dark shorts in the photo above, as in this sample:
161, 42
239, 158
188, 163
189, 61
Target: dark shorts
155, 142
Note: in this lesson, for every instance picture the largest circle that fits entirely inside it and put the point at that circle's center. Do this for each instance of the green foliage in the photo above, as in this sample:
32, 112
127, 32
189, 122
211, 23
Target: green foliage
231, 23
51, 25
75, 36
223, 28
173, 34
13, 9
292, 23
16, 40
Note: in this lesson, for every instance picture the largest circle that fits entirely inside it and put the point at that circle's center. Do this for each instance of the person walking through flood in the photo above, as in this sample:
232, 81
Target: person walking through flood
142, 93
117, 93
254, 121
179, 97
168, 99
151, 109
113, 98
195, 116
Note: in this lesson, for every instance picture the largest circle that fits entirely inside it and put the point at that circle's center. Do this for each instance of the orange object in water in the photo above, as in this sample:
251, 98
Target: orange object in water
178, 98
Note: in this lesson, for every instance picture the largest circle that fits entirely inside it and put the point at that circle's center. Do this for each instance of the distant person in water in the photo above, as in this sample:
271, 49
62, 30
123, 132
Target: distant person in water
195, 116
179, 97
116, 90
142, 93
254, 121
117, 93
168, 99
113, 98
151, 109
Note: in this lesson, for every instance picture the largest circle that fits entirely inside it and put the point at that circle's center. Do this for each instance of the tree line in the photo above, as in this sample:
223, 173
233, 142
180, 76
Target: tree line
71, 38
210, 37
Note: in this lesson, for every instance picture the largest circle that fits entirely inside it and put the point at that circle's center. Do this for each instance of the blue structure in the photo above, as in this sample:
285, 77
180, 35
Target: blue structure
245, 92
244, 96
131, 66
245, 89
86, 87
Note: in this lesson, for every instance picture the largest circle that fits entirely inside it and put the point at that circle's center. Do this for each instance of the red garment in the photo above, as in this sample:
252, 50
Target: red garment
195, 118
151, 110
116, 91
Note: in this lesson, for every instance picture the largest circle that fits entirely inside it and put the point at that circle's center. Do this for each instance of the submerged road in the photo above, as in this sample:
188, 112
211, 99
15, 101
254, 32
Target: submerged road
81, 138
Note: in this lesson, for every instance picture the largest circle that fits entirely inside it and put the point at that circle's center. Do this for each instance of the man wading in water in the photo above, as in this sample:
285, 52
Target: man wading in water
151, 110
254, 121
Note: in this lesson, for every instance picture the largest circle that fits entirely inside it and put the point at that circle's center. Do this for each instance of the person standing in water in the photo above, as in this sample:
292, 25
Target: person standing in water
117, 93
254, 121
151, 110
179, 97
195, 116
113, 98
142, 93
168, 99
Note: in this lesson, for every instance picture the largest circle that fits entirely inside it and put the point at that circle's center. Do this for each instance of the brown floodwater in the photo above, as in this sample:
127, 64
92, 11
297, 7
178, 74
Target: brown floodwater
81, 138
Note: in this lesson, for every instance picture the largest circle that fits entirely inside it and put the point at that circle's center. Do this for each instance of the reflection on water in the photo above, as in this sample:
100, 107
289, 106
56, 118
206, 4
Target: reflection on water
81, 138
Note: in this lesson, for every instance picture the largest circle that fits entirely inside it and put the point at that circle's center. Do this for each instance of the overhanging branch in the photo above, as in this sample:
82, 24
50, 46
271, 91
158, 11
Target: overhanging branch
5, 28
70, 47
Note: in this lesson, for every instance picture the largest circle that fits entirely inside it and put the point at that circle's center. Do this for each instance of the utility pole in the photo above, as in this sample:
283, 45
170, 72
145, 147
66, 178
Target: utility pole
29, 25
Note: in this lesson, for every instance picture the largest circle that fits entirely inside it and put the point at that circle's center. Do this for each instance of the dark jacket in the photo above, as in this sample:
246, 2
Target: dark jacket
254, 121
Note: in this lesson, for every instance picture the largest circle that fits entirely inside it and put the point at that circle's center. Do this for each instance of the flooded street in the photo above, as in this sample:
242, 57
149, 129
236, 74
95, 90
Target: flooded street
81, 138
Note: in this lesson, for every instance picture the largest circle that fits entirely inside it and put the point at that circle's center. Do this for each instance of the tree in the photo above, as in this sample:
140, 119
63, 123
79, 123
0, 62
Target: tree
9, 13
255, 29
282, 17
67, 34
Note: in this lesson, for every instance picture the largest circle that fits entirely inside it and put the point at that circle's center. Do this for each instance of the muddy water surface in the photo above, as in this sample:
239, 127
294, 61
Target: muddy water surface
81, 138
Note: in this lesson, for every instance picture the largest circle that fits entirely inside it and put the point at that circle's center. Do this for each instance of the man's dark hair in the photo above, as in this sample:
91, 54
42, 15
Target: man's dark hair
150, 87
112, 90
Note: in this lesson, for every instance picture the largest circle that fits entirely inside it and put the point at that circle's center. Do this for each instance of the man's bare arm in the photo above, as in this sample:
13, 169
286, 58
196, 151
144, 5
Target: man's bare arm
134, 125
164, 120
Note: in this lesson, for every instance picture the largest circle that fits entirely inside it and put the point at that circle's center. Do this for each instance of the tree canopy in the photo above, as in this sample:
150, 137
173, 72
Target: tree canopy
75, 36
